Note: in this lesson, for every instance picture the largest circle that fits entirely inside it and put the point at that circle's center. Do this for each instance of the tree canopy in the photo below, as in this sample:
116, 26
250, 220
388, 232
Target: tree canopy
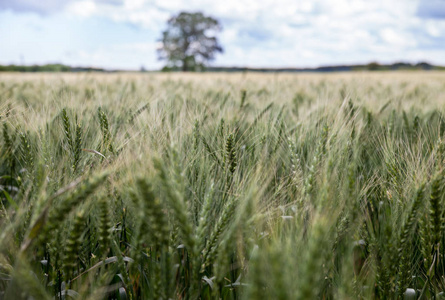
189, 41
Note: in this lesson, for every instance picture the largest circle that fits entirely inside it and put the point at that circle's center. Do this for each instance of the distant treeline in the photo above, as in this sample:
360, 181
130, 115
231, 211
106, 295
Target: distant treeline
344, 68
47, 68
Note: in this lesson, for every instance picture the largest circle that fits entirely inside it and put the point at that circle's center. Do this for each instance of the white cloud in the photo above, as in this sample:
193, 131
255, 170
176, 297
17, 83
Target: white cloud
118, 56
394, 38
82, 8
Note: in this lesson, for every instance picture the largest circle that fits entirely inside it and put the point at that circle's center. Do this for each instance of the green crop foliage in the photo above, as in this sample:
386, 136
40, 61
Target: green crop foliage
217, 186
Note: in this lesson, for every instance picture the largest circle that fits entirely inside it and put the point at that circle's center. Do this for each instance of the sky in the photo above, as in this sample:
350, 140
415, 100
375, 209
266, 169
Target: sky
124, 34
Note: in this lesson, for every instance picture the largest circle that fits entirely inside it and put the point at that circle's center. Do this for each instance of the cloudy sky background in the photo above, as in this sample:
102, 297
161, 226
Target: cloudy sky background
123, 34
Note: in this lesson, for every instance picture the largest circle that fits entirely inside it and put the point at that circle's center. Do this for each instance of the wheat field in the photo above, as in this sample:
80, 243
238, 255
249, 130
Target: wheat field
222, 186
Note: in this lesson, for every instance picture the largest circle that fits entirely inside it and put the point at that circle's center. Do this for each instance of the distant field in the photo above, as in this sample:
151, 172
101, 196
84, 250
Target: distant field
214, 185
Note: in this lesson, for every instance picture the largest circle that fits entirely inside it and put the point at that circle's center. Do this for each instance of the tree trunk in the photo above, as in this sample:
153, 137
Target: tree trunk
184, 65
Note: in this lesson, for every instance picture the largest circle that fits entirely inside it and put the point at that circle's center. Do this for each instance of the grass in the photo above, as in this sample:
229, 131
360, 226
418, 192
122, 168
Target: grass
240, 186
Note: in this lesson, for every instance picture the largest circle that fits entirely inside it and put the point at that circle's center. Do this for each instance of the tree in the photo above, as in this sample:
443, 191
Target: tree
189, 41
373, 66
